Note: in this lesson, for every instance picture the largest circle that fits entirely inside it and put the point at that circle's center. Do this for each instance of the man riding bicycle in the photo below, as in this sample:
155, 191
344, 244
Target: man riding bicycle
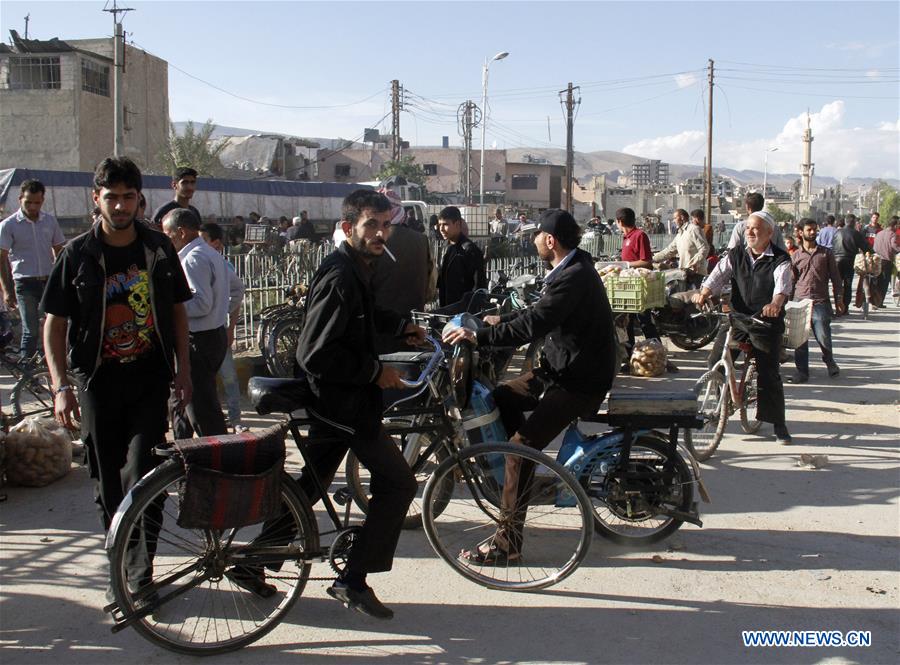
576, 371
761, 282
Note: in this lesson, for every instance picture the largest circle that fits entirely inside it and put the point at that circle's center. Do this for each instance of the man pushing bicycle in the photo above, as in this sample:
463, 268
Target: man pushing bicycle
576, 370
761, 281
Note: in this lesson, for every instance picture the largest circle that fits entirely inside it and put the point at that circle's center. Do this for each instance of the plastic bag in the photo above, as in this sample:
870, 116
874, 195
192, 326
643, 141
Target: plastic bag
38, 452
649, 358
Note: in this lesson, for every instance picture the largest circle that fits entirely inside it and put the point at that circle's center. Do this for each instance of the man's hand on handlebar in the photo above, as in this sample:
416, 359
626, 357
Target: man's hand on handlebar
389, 378
700, 297
771, 310
491, 319
459, 335
415, 335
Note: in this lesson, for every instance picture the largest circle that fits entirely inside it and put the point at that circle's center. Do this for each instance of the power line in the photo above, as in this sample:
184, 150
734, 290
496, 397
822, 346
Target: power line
808, 94
256, 101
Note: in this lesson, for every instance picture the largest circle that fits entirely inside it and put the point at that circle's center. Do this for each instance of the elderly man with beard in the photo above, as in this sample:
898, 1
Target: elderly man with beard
337, 352
761, 281
578, 365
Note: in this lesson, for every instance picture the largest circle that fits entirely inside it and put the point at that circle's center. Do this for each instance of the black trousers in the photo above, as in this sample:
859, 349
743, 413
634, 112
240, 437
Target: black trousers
204, 414
552, 409
770, 389
884, 280
392, 485
123, 416
845, 268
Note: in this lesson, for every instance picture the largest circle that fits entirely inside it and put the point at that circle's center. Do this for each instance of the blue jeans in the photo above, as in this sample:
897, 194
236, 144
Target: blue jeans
28, 293
228, 374
821, 329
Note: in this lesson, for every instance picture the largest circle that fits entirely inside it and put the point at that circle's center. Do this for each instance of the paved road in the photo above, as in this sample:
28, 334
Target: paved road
782, 547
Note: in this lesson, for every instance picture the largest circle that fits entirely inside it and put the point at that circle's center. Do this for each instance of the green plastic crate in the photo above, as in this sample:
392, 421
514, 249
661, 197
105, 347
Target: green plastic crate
635, 294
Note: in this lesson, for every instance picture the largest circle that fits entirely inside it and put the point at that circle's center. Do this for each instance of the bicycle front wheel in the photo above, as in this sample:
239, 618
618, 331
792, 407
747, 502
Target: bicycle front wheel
713, 401
748, 404
186, 577
515, 520
281, 347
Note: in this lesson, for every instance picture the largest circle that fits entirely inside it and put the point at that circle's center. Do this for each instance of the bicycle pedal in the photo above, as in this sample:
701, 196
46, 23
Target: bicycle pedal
343, 496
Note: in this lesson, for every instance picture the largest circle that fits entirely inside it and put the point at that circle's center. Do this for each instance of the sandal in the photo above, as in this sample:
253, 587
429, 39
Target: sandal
492, 556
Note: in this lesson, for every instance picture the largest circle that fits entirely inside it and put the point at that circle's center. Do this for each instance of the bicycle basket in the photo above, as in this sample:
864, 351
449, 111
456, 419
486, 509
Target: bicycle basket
797, 319
232, 481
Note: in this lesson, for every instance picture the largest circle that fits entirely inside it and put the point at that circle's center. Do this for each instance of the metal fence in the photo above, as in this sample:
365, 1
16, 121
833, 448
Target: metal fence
267, 276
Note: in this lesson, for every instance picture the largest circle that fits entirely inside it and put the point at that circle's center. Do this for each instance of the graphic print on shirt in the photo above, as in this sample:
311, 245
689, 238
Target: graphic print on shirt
128, 326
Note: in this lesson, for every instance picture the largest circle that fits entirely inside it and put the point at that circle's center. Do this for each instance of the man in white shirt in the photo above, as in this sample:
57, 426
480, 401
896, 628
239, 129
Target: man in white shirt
207, 313
30, 241
689, 245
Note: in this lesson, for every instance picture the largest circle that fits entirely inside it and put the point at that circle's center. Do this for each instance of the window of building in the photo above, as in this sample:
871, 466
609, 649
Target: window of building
341, 170
430, 169
33, 73
529, 181
94, 77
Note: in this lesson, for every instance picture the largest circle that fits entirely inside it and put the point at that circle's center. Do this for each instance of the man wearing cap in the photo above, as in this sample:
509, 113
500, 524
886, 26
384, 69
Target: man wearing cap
579, 358
761, 282
753, 203
462, 267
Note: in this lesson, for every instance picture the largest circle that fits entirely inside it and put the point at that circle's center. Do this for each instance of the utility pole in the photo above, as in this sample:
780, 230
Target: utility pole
570, 148
118, 71
395, 120
466, 115
709, 130
27, 19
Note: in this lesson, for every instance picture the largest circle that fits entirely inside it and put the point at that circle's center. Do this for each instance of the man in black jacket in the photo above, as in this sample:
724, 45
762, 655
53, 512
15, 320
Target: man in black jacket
337, 353
462, 268
761, 282
574, 318
119, 292
848, 242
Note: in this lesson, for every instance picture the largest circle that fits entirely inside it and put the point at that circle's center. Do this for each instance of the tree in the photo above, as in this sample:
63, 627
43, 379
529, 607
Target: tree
780, 215
194, 148
890, 203
405, 167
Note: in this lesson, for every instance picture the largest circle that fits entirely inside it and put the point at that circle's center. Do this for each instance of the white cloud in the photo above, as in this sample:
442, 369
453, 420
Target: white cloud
685, 80
838, 151
873, 74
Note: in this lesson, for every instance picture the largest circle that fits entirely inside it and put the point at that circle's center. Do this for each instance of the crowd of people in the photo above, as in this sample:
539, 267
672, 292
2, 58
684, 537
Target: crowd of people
142, 311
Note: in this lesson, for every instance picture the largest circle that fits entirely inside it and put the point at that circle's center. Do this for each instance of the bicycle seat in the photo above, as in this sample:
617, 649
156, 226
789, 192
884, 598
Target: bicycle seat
269, 395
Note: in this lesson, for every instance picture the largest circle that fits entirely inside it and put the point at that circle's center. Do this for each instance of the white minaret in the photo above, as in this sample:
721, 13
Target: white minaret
806, 168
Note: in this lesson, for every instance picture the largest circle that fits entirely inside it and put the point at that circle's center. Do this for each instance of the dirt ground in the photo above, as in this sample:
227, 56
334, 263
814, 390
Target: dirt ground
782, 547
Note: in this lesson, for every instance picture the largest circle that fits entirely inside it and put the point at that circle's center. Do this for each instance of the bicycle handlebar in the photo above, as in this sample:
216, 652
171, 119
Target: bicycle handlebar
436, 356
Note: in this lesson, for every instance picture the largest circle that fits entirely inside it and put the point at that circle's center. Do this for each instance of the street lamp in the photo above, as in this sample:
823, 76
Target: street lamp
766, 168
484, 82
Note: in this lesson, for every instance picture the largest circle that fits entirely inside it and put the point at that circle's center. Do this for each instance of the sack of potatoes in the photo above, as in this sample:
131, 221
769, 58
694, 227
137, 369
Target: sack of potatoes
648, 358
38, 452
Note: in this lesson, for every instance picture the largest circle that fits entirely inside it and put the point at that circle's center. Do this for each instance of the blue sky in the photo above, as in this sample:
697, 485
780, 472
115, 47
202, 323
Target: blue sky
640, 65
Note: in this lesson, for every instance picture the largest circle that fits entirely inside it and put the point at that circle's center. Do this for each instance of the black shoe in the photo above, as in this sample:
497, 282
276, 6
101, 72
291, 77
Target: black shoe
251, 579
782, 435
798, 378
361, 601
833, 370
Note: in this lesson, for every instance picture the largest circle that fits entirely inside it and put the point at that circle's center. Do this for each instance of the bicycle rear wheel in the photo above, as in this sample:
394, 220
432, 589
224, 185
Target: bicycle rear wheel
713, 402
180, 577
664, 484
748, 404
545, 527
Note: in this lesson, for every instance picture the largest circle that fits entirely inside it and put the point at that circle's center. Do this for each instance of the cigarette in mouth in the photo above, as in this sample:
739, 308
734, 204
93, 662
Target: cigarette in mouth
388, 252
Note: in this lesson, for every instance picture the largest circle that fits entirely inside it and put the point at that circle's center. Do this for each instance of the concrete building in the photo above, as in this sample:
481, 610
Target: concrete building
56, 109
444, 168
652, 173
535, 184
